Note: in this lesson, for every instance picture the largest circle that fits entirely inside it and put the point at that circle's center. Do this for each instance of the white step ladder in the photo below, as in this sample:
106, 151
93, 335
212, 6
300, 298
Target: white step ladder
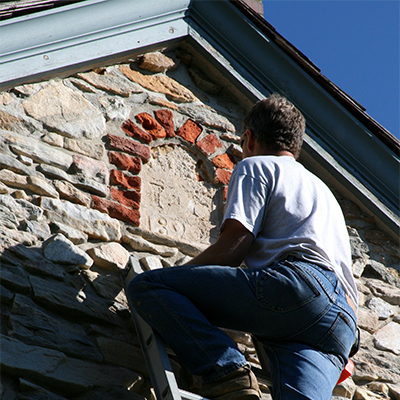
155, 353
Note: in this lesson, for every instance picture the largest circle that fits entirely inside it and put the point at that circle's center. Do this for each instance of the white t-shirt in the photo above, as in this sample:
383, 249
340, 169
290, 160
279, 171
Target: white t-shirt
290, 212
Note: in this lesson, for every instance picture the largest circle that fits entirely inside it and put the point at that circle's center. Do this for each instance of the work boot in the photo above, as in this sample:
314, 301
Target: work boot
240, 385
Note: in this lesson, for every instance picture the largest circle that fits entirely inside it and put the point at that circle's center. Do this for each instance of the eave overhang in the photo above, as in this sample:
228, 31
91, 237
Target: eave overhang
342, 143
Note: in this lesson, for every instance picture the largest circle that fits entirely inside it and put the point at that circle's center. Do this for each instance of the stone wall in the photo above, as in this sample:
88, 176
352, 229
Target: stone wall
134, 158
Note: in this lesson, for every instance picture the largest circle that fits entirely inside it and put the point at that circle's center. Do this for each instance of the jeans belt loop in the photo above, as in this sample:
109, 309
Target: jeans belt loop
350, 302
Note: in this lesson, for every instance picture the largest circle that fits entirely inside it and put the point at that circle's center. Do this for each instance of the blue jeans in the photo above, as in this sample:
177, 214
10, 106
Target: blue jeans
297, 310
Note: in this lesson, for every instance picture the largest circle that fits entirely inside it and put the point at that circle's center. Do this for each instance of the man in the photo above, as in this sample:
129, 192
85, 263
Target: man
297, 294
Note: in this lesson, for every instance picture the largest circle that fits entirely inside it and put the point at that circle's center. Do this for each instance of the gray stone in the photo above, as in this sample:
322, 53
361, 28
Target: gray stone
3, 188
85, 147
7, 219
151, 262
69, 192
12, 164
39, 229
384, 290
381, 308
91, 186
122, 354
111, 256
95, 224
58, 372
106, 285
15, 278
42, 153
34, 392
90, 169
68, 300
139, 244
12, 179
54, 139
54, 172
5, 295
61, 250
42, 187
208, 117
32, 325
74, 235
388, 338
65, 111
367, 319
376, 269
359, 248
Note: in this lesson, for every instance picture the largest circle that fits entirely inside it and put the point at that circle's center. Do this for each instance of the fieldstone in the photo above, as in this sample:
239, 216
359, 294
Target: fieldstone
91, 186
345, 390
90, 169
208, 117
85, 147
54, 172
95, 224
151, 262
160, 84
6, 98
376, 269
190, 131
66, 374
53, 139
385, 291
7, 120
388, 338
156, 62
33, 325
161, 102
359, 248
139, 244
111, 256
34, 392
12, 179
151, 126
7, 219
131, 129
115, 108
61, 250
67, 300
71, 193
106, 285
39, 152
367, 319
15, 278
394, 391
358, 267
129, 146
22, 209
110, 82
202, 82
116, 210
381, 308
125, 162
3, 188
42, 187
65, 111
39, 229
12, 164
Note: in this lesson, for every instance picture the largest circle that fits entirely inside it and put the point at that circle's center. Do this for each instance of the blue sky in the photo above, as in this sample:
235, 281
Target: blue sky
355, 43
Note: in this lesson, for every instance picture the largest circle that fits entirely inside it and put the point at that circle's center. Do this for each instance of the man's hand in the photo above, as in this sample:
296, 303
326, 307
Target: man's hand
230, 248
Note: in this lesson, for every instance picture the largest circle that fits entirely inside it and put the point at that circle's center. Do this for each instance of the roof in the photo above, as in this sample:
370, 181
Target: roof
343, 142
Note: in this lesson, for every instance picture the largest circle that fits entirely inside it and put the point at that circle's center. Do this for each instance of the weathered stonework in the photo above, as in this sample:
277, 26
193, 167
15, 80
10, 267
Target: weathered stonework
110, 162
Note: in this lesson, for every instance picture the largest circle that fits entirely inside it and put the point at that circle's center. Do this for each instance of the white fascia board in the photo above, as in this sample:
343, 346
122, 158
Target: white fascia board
53, 40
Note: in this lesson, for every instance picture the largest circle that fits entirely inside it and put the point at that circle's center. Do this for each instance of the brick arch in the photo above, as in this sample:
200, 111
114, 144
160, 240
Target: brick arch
128, 152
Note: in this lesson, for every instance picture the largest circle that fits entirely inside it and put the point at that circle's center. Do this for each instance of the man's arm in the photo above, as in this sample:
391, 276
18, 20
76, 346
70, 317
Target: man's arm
230, 248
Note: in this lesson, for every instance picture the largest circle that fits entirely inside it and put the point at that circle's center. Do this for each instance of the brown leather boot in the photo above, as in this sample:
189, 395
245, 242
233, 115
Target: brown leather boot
240, 385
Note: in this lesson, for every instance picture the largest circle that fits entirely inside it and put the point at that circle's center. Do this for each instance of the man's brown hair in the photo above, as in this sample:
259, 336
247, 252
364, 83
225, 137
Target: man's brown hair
277, 124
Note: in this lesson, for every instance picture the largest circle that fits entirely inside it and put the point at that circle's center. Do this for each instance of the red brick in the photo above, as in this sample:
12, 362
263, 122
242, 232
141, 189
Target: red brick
223, 161
116, 210
151, 126
132, 130
222, 176
129, 146
210, 144
128, 198
225, 192
166, 119
125, 162
190, 131
128, 182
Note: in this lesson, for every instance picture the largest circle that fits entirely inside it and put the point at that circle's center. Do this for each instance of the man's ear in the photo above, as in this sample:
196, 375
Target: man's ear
250, 142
